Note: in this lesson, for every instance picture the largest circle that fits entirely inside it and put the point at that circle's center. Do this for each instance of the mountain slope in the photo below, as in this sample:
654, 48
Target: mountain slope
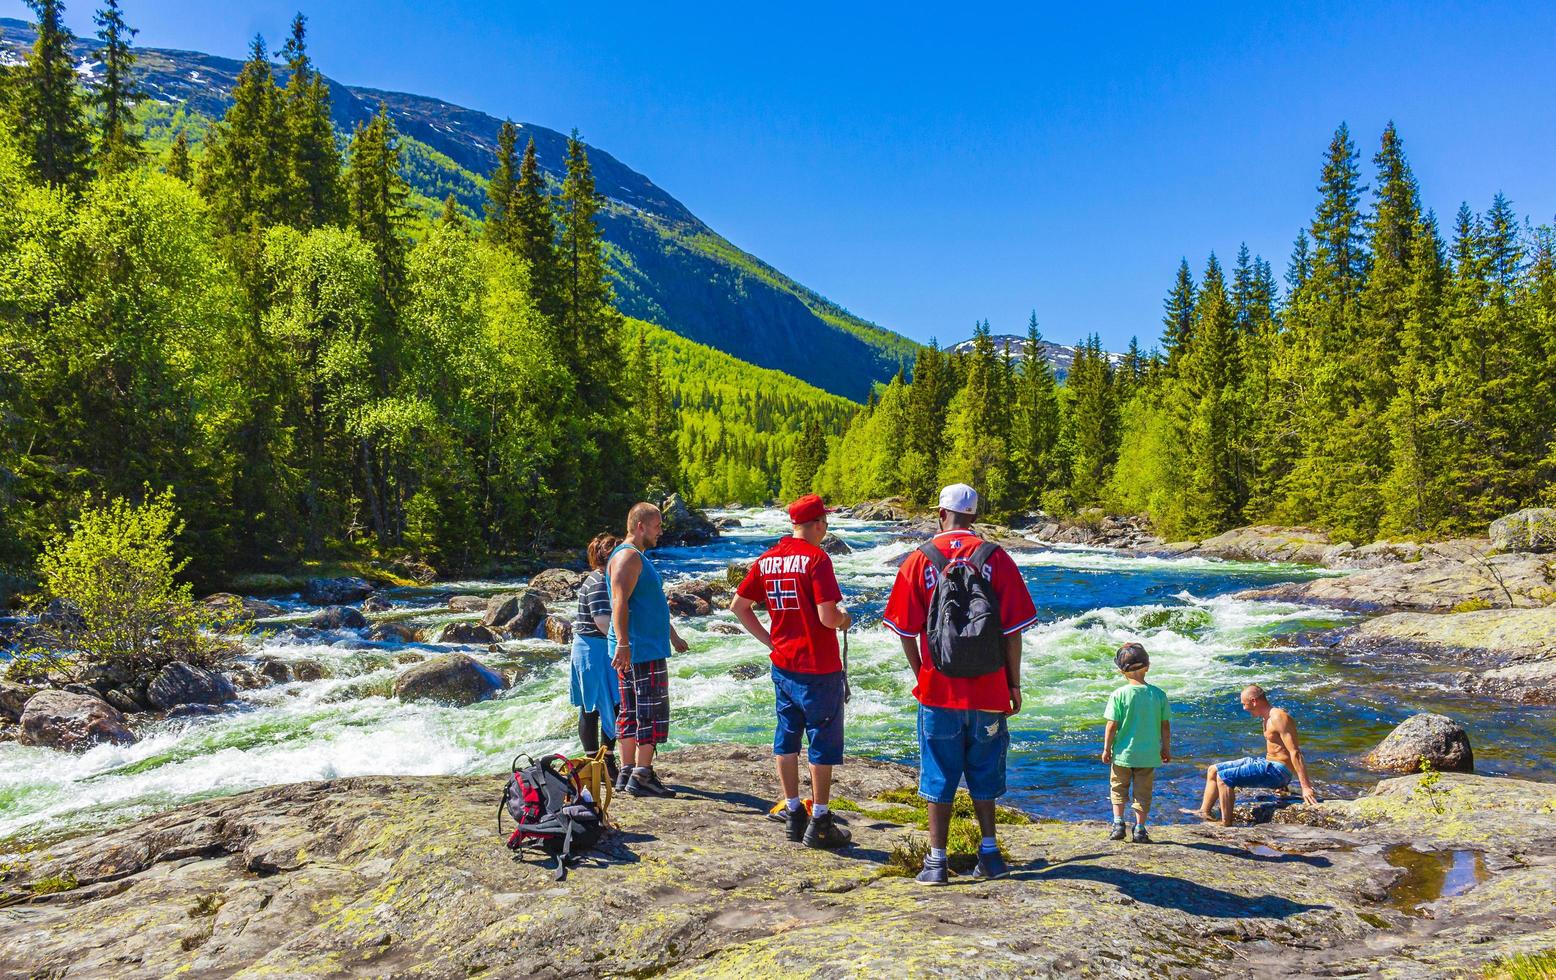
671, 268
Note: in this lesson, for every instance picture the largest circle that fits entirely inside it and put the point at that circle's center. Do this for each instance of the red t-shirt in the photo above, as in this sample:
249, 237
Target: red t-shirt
908, 608
791, 579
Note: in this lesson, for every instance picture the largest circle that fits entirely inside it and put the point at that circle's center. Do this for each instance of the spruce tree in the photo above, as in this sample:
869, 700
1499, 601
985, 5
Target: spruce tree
589, 322
1093, 427
1338, 254
376, 200
500, 186
244, 174
315, 196
178, 164
1178, 321
534, 234
928, 398
452, 216
1035, 428
1300, 266
119, 145
49, 108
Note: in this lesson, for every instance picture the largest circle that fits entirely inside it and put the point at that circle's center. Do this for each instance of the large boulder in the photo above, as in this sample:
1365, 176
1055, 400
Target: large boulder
518, 613
559, 629
181, 683
694, 597
891, 509
1436, 740
834, 545
1532, 529
557, 584
453, 679
474, 634
376, 603
683, 524
391, 633
338, 618
67, 720
336, 591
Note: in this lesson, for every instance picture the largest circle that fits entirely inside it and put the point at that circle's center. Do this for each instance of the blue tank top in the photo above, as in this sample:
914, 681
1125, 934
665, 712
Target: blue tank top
648, 614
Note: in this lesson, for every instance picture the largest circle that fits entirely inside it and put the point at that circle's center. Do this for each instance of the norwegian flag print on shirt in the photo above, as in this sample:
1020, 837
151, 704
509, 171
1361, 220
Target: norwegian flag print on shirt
783, 594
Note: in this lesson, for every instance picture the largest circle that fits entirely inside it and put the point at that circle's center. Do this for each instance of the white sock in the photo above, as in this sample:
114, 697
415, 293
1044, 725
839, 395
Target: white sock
937, 855
819, 809
988, 845
793, 803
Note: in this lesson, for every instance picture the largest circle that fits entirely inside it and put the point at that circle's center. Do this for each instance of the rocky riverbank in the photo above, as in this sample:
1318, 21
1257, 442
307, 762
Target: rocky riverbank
376, 876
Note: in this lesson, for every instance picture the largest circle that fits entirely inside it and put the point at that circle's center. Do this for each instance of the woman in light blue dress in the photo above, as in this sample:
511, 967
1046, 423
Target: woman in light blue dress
595, 689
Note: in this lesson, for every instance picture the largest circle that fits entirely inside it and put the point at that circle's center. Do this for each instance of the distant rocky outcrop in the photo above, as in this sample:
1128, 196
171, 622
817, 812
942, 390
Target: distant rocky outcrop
1507, 653
684, 525
180, 683
557, 584
71, 720
519, 614
1424, 741
336, 591
474, 634
695, 597
834, 545
338, 618
454, 679
890, 509
467, 603
1533, 529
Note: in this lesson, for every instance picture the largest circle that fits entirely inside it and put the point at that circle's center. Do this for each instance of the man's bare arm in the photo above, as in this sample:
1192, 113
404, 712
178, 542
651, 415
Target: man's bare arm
833, 616
910, 650
1013, 670
745, 611
1286, 731
624, 571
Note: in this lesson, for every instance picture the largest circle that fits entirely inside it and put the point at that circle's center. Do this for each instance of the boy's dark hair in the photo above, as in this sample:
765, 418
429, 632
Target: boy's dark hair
1131, 656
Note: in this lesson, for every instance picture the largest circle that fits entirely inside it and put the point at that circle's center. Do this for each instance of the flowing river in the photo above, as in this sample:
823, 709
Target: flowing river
1205, 647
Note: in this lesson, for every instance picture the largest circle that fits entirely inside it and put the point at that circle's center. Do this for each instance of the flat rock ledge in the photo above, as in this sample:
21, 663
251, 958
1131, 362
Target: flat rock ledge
1505, 653
380, 876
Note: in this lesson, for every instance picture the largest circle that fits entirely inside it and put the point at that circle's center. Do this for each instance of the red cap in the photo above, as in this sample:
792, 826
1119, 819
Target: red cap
806, 509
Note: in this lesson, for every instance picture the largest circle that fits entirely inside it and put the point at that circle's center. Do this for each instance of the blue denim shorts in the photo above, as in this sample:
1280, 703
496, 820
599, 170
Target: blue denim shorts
953, 744
1251, 772
809, 706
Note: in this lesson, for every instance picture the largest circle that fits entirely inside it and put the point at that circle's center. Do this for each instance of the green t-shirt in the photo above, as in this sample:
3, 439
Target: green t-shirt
1139, 710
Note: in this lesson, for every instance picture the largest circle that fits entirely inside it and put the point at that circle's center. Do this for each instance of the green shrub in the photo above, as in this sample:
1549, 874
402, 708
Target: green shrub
116, 572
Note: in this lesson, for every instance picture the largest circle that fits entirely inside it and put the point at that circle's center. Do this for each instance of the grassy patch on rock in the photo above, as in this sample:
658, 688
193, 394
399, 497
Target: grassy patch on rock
906, 807
1532, 966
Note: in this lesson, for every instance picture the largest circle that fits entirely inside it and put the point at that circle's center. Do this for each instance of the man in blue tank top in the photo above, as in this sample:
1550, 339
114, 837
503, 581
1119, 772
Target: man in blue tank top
640, 640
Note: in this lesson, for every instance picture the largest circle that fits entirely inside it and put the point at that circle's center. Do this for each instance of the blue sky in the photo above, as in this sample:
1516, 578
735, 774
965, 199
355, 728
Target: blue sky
928, 166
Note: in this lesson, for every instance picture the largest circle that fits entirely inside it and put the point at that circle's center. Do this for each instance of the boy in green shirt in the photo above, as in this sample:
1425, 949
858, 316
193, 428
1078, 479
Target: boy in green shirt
1138, 725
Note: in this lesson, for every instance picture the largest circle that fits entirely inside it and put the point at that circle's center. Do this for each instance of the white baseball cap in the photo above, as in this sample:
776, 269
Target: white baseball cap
959, 497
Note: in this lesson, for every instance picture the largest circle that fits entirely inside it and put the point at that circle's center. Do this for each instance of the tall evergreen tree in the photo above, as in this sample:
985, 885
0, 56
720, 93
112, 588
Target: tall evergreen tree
1178, 321
500, 186
244, 173
534, 232
315, 194
977, 440
589, 322
1035, 428
52, 123
1093, 422
376, 199
119, 145
178, 164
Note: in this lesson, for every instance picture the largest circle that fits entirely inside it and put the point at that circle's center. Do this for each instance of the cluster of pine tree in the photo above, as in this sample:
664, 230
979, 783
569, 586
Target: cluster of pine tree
260, 324
1402, 387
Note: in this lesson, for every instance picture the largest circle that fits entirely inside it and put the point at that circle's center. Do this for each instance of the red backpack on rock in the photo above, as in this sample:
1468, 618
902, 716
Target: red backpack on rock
548, 802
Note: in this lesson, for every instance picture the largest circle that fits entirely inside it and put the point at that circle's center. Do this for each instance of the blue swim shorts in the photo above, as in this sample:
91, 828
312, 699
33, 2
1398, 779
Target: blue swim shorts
954, 744
809, 706
1251, 772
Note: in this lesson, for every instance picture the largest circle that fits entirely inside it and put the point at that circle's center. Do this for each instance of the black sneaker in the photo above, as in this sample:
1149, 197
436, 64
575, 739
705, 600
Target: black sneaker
1141, 837
1117, 832
644, 782
622, 778
823, 832
795, 821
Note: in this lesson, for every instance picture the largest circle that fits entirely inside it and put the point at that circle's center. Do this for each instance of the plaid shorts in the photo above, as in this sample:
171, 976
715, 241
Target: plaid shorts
644, 716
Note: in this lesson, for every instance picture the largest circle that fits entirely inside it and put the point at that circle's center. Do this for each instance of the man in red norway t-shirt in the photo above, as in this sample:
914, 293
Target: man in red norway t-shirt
795, 581
961, 720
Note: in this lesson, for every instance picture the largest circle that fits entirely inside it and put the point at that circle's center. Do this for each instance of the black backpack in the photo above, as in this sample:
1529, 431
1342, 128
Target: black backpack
546, 799
965, 636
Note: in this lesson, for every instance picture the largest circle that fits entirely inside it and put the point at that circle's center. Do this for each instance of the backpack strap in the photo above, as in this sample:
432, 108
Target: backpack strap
983, 555
936, 557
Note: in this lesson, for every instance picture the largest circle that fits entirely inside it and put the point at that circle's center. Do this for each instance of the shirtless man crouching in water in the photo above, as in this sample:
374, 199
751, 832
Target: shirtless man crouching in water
1282, 757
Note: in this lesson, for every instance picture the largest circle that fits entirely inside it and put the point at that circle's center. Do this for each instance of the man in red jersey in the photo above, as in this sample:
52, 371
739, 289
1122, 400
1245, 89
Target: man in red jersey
795, 581
961, 720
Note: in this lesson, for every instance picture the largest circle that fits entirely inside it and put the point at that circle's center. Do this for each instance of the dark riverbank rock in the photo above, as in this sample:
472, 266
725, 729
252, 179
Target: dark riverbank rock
891, 509
180, 683
391, 633
684, 525
834, 545
695, 597
467, 603
1440, 584
13, 699
377, 603
1265, 542
725, 523
67, 720
336, 591
61, 616
469, 633
454, 679
1532, 529
338, 618
559, 629
1126, 533
726, 629
557, 584
1435, 740
397, 876
519, 614
746, 672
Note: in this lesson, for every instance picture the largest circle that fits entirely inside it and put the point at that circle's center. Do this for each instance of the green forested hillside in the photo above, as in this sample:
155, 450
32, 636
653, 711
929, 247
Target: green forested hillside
666, 265
738, 426
271, 331
1403, 386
